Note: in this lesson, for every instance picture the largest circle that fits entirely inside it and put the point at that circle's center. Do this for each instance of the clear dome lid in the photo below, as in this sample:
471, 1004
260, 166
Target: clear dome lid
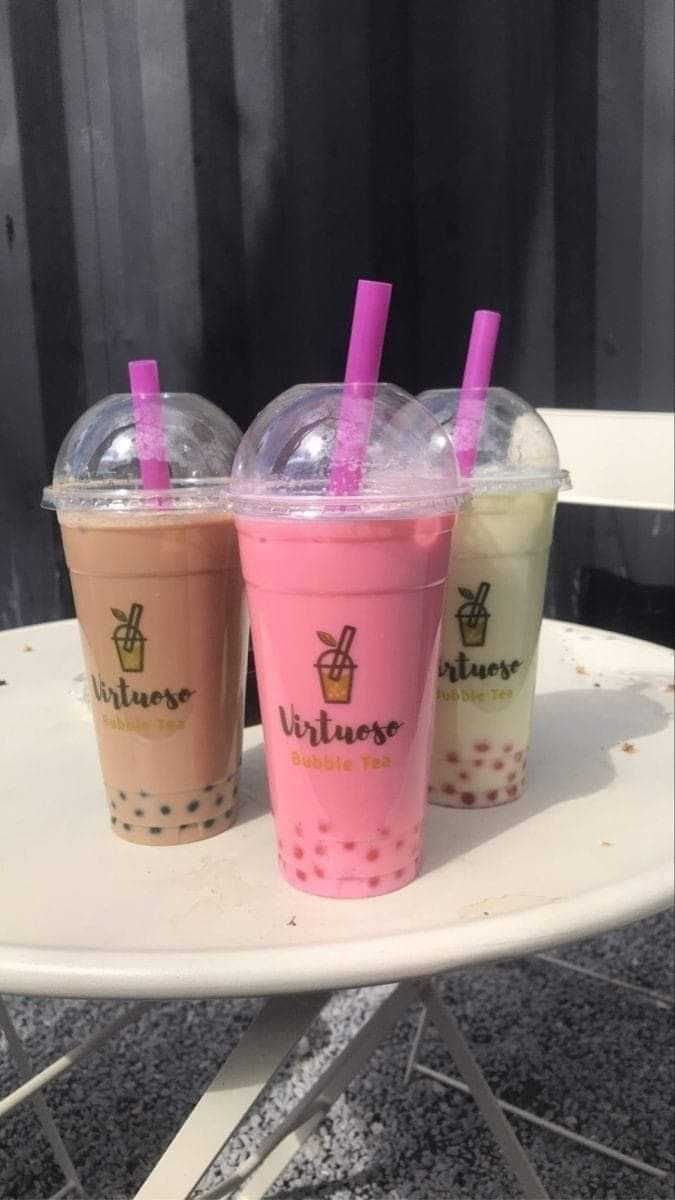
402, 461
98, 465
514, 447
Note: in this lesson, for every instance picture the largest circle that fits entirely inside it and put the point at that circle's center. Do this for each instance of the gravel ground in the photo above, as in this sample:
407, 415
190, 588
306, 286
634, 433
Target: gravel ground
581, 1050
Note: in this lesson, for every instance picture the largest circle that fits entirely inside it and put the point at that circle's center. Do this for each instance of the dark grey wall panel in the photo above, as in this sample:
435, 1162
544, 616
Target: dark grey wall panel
202, 181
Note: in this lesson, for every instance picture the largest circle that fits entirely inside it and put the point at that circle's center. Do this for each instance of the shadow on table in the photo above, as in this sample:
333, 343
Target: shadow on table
573, 734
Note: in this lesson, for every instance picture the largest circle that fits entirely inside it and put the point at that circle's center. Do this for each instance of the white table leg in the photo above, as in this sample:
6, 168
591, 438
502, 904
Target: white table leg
42, 1111
263, 1048
276, 1151
487, 1102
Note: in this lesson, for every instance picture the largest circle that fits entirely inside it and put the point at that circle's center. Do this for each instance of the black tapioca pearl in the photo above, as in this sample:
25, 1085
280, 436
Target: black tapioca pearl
122, 795
228, 813
219, 799
113, 820
210, 787
125, 826
165, 809
139, 812
113, 804
155, 828
193, 806
210, 823
235, 789
182, 827
144, 794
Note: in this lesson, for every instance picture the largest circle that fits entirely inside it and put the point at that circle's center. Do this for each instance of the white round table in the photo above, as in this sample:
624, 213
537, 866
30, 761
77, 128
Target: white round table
82, 913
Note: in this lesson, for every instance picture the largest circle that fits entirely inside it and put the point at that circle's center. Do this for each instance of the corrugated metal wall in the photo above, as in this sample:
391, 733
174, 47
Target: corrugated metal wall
202, 181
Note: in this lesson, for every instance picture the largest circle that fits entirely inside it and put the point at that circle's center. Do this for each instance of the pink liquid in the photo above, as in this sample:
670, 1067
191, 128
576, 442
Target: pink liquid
348, 741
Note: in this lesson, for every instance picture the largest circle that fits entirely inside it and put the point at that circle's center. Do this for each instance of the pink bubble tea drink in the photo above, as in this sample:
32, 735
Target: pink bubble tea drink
160, 602
346, 595
493, 604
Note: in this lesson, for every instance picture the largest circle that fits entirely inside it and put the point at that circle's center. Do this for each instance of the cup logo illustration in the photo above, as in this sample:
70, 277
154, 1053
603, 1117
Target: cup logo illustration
128, 639
336, 666
473, 616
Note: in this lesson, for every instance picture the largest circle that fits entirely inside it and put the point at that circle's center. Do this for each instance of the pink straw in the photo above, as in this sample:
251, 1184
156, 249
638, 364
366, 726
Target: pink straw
369, 323
475, 384
146, 399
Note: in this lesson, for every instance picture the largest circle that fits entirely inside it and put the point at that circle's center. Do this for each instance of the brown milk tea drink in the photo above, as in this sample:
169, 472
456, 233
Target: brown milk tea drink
159, 599
493, 602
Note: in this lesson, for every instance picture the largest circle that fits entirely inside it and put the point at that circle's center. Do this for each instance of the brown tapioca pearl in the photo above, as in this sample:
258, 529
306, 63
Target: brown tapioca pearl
348, 845
492, 795
300, 874
210, 823
498, 765
451, 757
400, 844
143, 794
155, 829
318, 871
518, 755
511, 776
235, 789
122, 795
113, 804
463, 774
210, 787
193, 806
323, 826
165, 809
125, 826
468, 798
228, 813
320, 849
507, 747
374, 881
512, 790
298, 852
430, 787
139, 812
373, 854
478, 762
219, 799
449, 789
113, 820
481, 747
182, 827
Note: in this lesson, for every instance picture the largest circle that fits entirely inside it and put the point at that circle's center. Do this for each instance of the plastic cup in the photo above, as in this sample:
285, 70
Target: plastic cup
346, 595
494, 603
159, 598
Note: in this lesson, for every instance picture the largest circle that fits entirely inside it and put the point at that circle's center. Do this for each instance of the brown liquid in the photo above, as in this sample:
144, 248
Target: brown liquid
165, 669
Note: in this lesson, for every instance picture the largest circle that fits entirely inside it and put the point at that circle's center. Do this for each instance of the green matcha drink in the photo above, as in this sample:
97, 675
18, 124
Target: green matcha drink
493, 606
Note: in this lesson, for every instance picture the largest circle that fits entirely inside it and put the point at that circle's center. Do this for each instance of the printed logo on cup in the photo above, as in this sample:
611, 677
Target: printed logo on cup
128, 639
336, 666
473, 616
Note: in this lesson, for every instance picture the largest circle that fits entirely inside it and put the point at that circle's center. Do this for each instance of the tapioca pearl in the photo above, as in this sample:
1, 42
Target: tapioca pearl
208, 824
125, 826
511, 776
228, 813
300, 874
482, 747
323, 827
400, 844
210, 787
139, 812
143, 794
122, 795
219, 799
478, 762
319, 871
383, 830
155, 829
492, 795
113, 820
430, 787
451, 757
373, 854
463, 774
113, 804
235, 789
512, 790
498, 765
374, 881
348, 845
165, 809
468, 798
182, 828
507, 747
320, 849
449, 789
518, 755
298, 852
193, 806
400, 873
